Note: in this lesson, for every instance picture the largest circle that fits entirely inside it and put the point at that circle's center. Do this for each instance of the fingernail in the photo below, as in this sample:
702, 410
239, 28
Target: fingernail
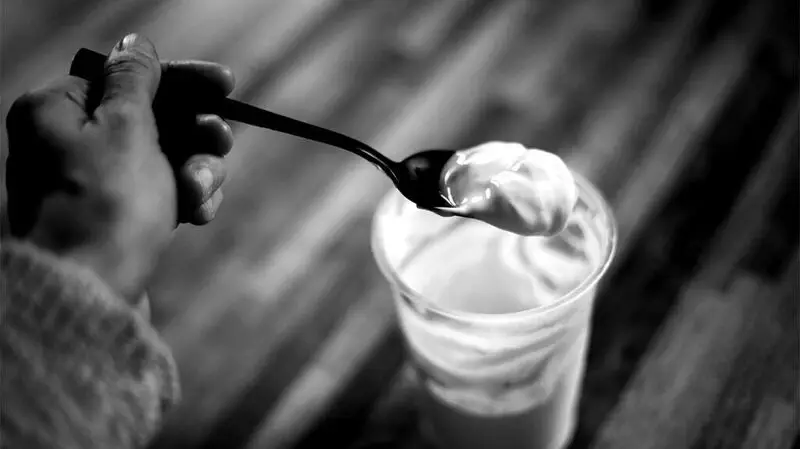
124, 45
204, 119
204, 177
133, 43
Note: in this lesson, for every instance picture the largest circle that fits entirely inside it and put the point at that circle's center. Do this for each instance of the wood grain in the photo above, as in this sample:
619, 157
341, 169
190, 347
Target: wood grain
750, 213
689, 119
544, 73
674, 391
614, 133
365, 325
755, 405
774, 426
683, 113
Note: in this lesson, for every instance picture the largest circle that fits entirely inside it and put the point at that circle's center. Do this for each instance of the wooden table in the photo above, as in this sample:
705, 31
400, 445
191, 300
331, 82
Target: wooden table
683, 113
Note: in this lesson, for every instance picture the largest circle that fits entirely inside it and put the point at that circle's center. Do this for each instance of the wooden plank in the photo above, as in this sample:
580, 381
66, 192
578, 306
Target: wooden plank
775, 425
751, 211
308, 320
553, 66
630, 307
535, 71
345, 421
727, 248
52, 58
173, 26
662, 261
629, 66
274, 37
421, 32
467, 68
749, 391
753, 406
768, 255
23, 22
674, 399
619, 125
393, 419
690, 118
674, 390
270, 353
776, 419
364, 326
695, 210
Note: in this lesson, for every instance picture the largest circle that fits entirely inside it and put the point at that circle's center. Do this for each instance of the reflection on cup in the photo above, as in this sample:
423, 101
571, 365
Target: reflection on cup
496, 323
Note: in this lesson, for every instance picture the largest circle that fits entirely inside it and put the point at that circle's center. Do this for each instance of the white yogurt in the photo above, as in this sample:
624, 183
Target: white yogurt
525, 191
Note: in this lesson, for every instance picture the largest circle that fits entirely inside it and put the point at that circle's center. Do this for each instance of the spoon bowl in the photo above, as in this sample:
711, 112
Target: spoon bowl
416, 177
419, 176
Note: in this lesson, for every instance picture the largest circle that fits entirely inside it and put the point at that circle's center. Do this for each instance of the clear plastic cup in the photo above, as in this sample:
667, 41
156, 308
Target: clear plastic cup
496, 324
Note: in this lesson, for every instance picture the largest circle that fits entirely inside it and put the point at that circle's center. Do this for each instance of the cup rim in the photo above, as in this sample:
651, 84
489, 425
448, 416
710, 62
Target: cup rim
586, 190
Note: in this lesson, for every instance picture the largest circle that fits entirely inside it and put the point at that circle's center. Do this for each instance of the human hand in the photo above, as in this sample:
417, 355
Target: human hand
95, 176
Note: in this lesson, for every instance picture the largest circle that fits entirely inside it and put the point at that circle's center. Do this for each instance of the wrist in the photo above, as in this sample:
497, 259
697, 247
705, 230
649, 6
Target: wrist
125, 275
117, 251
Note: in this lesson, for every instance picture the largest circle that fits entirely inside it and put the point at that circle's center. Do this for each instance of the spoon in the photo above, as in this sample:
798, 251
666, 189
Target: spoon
416, 177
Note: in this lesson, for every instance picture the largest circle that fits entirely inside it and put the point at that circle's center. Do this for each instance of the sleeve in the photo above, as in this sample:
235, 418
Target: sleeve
79, 368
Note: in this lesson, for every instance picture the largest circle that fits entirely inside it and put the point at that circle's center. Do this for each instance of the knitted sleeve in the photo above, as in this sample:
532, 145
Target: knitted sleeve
79, 368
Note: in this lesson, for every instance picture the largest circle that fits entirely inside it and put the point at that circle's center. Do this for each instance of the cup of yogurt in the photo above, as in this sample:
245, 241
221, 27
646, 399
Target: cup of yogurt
496, 323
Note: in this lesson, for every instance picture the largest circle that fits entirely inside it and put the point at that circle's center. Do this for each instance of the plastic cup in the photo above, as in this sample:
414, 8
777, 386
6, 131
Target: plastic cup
493, 377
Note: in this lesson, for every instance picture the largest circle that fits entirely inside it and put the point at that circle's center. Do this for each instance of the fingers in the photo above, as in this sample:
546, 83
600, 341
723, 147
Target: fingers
199, 182
39, 124
132, 74
213, 135
183, 136
193, 144
58, 108
199, 167
208, 210
198, 76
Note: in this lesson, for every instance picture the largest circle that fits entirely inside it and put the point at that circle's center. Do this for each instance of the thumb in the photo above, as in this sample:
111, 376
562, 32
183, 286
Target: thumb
132, 73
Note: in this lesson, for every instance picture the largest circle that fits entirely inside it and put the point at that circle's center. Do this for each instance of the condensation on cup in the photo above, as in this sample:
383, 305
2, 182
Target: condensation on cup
496, 324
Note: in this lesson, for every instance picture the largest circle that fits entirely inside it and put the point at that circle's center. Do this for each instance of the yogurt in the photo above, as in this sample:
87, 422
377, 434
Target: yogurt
521, 190
504, 370
497, 322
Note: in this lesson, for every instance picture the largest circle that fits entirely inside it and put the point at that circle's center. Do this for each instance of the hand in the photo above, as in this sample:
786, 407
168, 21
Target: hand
91, 177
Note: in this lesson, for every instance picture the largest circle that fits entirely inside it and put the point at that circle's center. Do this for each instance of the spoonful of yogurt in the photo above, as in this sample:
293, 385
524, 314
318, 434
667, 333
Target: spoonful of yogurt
525, 191
528, 192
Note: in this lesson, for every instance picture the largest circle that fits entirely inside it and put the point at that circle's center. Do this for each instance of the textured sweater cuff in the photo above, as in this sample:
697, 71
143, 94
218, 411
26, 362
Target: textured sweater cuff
78, 353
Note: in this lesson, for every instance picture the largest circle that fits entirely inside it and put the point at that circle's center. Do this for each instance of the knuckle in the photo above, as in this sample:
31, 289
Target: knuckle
76, 90
130, 62
122, 116
192, 192
202, 191
31, 114
25, 107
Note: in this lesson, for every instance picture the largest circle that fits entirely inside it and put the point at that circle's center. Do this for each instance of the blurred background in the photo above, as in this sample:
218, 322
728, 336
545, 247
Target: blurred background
684, 113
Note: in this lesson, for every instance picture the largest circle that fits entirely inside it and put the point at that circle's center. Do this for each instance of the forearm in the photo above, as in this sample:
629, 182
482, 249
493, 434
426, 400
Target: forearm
80, 367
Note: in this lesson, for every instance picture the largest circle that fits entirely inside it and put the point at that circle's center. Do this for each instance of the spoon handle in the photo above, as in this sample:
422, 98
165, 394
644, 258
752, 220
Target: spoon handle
88, 64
